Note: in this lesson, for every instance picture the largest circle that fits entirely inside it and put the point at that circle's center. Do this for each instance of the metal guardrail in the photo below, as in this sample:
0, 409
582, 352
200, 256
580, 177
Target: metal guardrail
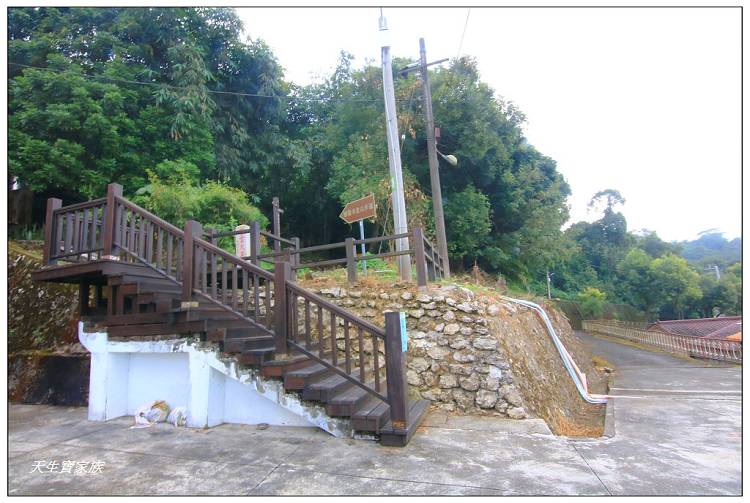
698, 347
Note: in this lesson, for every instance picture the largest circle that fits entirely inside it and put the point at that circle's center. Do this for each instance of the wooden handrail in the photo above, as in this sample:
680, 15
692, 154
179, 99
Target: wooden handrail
233, 258
154, 219
330, 306
80, 206
276, 238
122, 230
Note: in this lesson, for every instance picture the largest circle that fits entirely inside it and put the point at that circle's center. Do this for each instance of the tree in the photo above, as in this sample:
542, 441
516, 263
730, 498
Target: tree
675, 285
652, 244
610, 198
79, 119
604, 242
470, 225
591, 302
178, 198
634, 279
721, 296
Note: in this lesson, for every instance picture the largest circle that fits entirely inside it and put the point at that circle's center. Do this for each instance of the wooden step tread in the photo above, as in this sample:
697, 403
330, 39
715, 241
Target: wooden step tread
289, 361
355, 393
308, 371
371, 416
240, 344
135, 319
157, 329
398, 438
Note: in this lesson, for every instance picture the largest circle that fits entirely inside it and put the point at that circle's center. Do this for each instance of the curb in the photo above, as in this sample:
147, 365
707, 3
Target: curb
609, 413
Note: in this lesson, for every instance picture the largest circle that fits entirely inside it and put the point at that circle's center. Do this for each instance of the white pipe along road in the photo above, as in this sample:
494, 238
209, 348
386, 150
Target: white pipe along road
579, 378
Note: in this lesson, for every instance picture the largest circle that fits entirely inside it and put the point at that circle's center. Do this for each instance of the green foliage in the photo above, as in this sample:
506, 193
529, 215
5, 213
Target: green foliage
721, 296
78, 122
213, 204
676, 285
634, 279
591, 302
470, 225
712, 248
195, 140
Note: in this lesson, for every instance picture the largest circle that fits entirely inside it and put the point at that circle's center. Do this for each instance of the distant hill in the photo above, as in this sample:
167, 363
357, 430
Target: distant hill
712, 248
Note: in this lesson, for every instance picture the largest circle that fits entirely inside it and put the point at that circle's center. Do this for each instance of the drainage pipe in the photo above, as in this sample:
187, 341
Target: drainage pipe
579, 378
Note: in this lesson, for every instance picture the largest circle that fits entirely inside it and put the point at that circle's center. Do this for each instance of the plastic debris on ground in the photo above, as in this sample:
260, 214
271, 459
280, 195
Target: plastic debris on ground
150, 414
178, 416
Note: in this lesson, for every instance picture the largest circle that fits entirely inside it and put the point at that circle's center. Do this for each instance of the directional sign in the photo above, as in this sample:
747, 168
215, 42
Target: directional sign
359, 209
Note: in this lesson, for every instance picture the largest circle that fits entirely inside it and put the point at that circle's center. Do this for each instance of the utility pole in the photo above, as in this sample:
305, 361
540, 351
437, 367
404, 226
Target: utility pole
437, 196
394, 154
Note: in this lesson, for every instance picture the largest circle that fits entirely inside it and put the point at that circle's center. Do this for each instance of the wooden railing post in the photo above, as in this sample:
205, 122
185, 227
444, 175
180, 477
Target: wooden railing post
108, 232
395, 369
254, 242
351, 264
210, 231
432, 266
50, 234
277, 211
281, 274
192, 229
419, 256
295, 257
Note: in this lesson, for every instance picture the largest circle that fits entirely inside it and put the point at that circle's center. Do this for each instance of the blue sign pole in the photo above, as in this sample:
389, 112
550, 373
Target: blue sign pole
404, 336
362, 237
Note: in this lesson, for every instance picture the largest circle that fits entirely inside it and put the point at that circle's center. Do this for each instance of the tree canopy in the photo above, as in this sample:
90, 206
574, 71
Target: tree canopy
196, 120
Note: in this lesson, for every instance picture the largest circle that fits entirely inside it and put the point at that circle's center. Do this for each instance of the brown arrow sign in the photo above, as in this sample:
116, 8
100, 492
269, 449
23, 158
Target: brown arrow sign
359, 209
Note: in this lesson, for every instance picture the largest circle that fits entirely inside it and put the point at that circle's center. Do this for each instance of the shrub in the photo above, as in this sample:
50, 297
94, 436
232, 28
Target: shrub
174, 195
591, 301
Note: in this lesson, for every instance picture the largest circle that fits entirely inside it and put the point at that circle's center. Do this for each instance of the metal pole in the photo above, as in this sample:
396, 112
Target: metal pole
549, 289
394, 155
437, 196
362, 237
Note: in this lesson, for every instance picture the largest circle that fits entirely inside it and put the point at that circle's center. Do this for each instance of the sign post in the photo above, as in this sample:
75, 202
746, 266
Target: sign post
358, 211
362, 237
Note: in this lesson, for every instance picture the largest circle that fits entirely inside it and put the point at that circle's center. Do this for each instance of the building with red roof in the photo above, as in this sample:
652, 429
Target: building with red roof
724, 327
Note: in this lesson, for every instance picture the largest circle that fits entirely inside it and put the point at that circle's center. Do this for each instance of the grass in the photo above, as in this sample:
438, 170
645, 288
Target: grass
383, 273
29, 249
26, 233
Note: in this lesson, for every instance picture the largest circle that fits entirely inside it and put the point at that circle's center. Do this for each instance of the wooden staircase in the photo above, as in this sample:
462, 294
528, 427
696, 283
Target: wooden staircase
152, 279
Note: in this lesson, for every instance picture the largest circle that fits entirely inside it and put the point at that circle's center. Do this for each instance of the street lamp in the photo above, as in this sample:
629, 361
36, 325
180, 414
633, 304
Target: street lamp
450, 159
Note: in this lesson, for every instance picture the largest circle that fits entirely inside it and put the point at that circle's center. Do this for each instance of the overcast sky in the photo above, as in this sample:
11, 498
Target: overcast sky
646, 101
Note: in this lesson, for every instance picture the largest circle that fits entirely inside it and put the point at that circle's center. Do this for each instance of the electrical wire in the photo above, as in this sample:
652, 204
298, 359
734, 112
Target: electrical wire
461, 43
209, 91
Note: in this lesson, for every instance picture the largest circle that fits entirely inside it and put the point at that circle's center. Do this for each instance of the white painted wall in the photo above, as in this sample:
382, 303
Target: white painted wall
157, 376
125, 375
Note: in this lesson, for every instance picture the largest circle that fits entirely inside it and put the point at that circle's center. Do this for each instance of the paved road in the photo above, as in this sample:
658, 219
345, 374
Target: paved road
678, 424
663, 445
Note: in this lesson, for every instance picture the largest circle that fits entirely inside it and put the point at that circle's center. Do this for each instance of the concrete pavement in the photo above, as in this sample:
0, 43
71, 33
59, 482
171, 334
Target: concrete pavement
678, 424
662, 445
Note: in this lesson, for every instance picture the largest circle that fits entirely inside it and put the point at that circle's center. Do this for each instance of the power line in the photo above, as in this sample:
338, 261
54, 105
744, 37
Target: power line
461, 43
209, 91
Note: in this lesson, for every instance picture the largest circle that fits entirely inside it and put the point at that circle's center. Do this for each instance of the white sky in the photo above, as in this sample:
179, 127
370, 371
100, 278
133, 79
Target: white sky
646, 101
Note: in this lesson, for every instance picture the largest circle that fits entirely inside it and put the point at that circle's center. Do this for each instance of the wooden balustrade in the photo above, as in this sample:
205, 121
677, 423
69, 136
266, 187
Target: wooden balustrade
353, 348
232, 283
74, 233
141, 237
429, 264
370, 357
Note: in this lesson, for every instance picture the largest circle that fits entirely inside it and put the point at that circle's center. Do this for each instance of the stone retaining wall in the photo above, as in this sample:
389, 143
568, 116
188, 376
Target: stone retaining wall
454, 358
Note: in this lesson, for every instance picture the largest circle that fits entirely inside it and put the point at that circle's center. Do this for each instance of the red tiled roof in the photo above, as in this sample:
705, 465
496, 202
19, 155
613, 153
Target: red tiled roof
715, 328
